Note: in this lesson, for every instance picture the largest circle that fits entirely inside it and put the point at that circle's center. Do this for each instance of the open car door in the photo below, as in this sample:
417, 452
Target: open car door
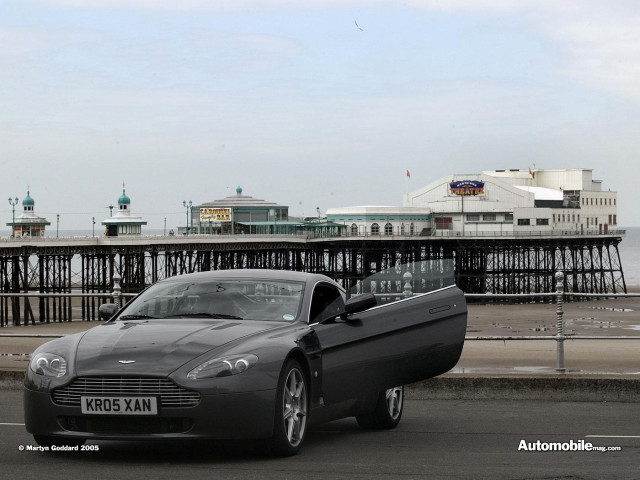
414, 338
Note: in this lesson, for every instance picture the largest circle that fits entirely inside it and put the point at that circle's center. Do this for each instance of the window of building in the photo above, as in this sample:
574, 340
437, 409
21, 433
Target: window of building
542, 221
375, 229
354, 229
444, 223
524, 221
554, 218
508, 217
402, 229
615, 220
473, 217
388, 229
489, 217
412, 228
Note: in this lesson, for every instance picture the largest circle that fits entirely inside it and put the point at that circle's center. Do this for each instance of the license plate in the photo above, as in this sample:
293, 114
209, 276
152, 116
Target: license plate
119, 405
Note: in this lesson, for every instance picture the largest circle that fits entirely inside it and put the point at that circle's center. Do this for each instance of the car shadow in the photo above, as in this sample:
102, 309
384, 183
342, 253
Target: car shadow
211, 451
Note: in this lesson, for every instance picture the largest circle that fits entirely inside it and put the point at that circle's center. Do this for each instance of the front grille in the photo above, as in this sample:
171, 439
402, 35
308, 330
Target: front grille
169, 393
115, 425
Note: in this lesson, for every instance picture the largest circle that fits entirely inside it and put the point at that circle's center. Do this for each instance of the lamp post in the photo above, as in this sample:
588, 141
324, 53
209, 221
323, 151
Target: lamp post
188, 207
57, 223
93, 227
13, 202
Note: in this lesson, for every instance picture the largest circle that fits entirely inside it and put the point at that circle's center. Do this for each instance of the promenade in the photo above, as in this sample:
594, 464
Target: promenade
606, 369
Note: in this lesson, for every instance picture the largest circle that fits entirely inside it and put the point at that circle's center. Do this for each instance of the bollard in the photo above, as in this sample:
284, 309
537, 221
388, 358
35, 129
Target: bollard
117, 292
560, 322
408, 289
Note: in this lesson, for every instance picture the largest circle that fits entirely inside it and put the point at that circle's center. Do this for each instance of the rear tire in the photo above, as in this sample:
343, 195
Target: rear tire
48, 441
292, 403
387, 412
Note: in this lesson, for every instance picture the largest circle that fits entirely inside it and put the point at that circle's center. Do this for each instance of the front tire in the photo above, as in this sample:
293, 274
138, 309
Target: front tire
292, 403
387, 412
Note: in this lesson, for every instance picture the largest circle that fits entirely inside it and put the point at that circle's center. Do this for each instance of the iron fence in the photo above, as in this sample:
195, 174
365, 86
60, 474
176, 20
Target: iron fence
559, 296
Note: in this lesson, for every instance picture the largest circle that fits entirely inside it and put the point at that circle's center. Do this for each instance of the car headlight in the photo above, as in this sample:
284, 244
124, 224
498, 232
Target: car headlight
48, 364
223, 367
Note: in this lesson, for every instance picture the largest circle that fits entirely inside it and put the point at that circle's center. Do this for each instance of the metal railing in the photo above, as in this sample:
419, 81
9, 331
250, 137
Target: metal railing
559, 295
470, 232
117, 296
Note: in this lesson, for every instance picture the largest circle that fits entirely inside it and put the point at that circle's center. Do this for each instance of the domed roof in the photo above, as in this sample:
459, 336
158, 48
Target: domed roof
239, 190
28, 200
124, 199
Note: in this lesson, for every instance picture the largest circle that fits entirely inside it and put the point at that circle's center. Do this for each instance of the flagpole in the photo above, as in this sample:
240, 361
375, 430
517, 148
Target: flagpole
408, 178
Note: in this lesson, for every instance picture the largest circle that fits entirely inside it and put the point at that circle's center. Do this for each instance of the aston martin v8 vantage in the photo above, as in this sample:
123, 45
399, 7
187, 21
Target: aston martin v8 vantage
246, 354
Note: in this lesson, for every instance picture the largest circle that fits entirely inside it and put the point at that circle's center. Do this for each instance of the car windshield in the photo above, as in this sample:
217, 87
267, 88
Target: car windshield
230, 299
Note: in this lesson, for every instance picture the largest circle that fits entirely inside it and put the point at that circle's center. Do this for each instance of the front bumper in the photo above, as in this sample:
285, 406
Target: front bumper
247, 415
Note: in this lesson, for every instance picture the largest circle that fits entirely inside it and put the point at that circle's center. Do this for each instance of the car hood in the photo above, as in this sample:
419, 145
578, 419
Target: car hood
155, 348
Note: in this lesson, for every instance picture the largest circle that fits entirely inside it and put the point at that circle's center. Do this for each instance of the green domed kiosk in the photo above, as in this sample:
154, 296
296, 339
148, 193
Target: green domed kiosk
123, 224
28, 224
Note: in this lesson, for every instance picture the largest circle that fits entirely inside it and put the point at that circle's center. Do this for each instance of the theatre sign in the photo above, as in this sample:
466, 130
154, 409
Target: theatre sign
467, 188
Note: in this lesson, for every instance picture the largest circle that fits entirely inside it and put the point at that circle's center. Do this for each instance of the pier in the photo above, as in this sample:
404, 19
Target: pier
483, 263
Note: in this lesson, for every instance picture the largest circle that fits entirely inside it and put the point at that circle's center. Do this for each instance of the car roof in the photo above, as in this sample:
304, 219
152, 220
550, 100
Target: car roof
265, 274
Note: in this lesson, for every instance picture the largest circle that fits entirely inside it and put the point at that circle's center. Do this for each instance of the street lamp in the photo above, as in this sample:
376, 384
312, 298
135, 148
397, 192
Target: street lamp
57, 223
13, 203
93, 231
188, 207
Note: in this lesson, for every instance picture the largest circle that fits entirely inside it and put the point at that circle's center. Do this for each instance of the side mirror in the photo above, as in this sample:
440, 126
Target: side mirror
360, 303
107, 310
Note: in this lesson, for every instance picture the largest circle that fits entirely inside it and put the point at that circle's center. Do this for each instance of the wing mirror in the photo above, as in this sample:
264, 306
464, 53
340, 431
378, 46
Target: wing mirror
106, 311
360, 303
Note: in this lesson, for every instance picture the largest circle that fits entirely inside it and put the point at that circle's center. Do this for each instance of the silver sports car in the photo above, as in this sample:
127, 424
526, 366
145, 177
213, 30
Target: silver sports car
244, 354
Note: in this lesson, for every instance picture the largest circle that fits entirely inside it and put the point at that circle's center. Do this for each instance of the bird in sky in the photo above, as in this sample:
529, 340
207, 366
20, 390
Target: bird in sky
358, 26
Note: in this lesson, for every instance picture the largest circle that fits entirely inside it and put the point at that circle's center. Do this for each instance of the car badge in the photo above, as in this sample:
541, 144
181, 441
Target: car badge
126, 361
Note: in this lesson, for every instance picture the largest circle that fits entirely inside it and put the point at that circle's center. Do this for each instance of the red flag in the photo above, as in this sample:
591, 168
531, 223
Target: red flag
530, 173
408, 174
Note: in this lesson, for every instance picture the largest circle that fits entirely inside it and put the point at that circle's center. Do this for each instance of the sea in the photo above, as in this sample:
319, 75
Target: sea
629, 248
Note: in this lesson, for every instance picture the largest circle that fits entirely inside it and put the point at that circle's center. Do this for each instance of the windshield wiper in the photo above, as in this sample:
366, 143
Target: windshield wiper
205, 315
135, 317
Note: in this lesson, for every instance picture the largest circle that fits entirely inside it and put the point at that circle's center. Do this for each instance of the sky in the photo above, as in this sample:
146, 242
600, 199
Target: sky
310, 104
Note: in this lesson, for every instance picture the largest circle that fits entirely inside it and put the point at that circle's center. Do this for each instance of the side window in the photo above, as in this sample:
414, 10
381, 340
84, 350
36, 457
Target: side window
327, 302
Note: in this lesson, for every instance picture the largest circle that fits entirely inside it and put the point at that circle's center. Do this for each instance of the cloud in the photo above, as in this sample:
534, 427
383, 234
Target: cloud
25, 41
598, 42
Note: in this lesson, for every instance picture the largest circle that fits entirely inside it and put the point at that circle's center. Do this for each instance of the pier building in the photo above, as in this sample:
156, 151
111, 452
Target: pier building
123, 224
500, 202
223, 216
382, 220
28, 224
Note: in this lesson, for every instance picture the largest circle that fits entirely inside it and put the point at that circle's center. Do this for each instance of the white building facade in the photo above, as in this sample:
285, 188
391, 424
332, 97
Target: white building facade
382, 220
518, 201
123, 224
